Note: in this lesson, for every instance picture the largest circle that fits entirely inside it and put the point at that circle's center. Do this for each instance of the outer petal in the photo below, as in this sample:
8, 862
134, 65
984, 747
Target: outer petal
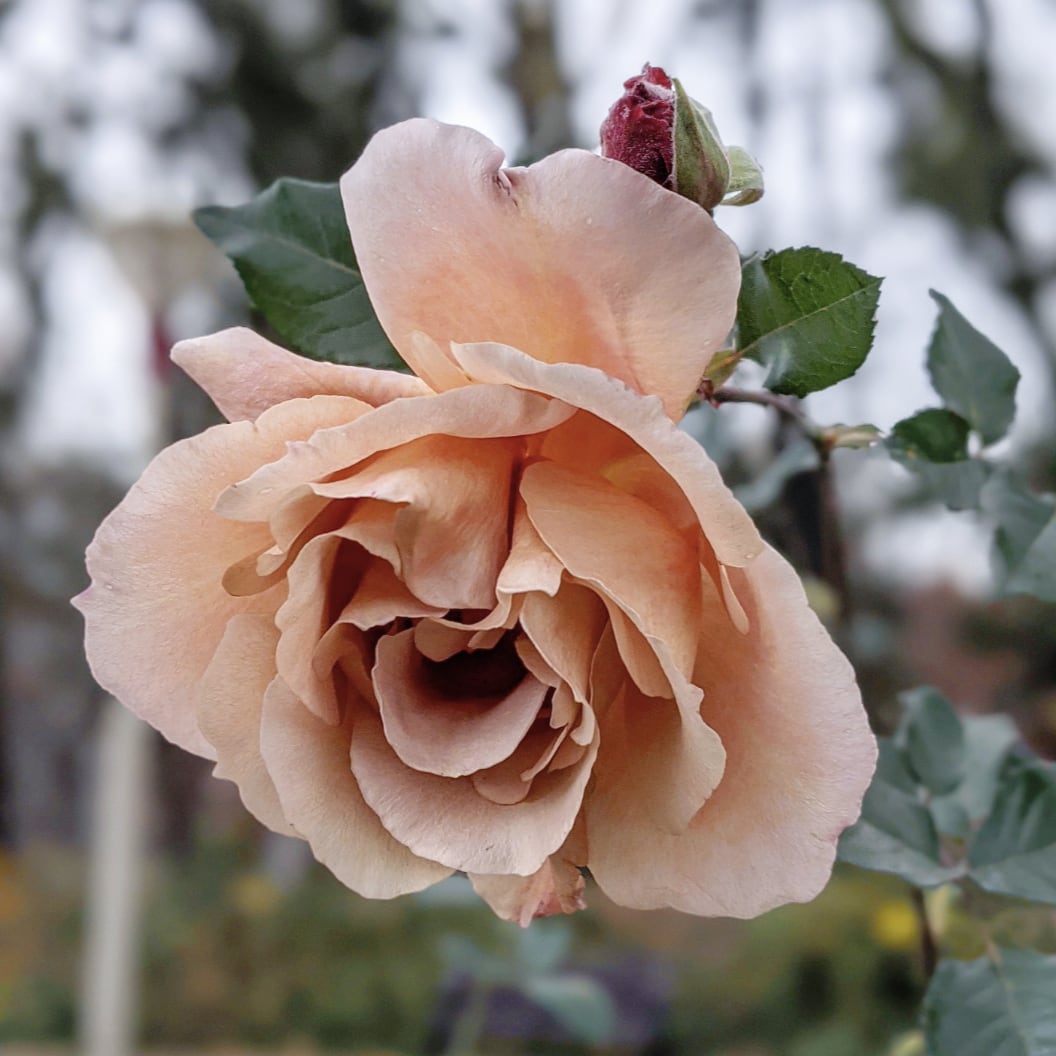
556, 887
231, 695
799, 756
245, 374
308, 761
156, 609
726, 526
576, 259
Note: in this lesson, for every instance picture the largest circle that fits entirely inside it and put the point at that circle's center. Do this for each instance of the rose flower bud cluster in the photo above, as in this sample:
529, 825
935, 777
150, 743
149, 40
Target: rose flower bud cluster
501, 616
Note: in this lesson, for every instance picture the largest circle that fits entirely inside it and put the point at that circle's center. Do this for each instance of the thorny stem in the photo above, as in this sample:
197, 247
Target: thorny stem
929, 949
787, 406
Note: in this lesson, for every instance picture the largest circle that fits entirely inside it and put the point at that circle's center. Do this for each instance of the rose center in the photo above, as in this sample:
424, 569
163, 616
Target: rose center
484, 672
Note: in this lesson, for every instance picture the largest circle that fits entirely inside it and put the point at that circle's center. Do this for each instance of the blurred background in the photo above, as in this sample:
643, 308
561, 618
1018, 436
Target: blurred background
916, 137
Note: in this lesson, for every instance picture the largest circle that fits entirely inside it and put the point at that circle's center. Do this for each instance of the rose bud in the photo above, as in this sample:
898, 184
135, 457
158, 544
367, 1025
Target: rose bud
659, 131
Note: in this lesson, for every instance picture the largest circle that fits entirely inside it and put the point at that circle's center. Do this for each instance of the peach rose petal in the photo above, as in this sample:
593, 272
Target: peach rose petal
447, 820
304, 618
308, 761
432, 362
381, 597
647, 737
477, 411
637, 655
799, 756
156, 608
447, 736
510, 780
575, 259
531, 564
566, 629
623, 548
727, 527
230, 698
245, 374
556, 887
452, 533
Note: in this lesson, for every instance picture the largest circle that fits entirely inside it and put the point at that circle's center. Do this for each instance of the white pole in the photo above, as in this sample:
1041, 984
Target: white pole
111, 951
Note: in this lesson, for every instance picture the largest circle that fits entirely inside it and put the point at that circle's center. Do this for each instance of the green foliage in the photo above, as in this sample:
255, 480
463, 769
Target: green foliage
293, 253
533, 967
977, 383
998, 1005
972, 375
934, 435
1024, 553
934, 740
950, 802
896, 832
1015, 851
808, 316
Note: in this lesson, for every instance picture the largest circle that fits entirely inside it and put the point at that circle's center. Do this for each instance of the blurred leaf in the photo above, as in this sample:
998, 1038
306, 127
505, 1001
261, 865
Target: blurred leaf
933, 444
971, 374
1000, 1005
577, 1002
544, 946
935, 434
1036, 571
1025, 537
896, 833
1014, 852
293, 253
808, 316
798, 456
987, 740
934, 739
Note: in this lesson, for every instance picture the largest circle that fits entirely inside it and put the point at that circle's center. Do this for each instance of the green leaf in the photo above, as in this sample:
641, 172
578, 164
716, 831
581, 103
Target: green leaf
581, 1005
999, 1005
971, 374
293, 253
933, 445
987, 741
934, 739
808, 316
896, 832
1024, 552
935, 435
1014, 852
1036, 573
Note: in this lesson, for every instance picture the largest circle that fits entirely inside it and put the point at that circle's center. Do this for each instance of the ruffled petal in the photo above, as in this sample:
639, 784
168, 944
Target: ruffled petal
576, 259
447, 820
799, 756
475, 412
156, 609
621, 546
245, 374
308, 761
727, 527
230, 699
451, 735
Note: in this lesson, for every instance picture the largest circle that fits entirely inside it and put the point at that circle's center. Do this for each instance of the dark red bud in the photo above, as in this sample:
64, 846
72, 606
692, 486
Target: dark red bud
639, 128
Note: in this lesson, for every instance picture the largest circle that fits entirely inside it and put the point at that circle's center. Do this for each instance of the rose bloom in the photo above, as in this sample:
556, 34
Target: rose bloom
502, 616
